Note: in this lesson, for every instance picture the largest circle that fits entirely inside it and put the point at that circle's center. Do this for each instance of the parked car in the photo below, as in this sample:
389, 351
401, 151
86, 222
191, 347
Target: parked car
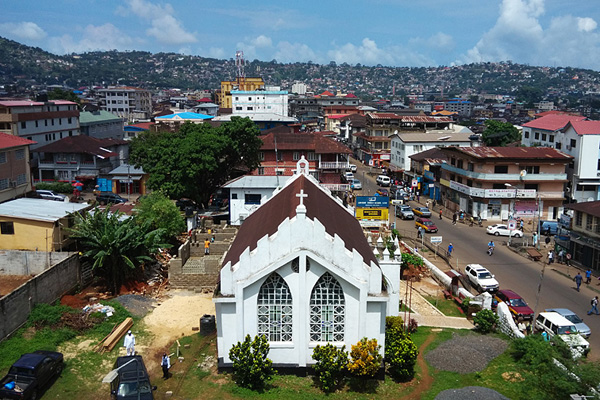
581, 327
383, 180
502, 230
356, 184
30, 374
422, 212
352, 168
132, 381
426, 224
383, 192
555, 324
481, 279
50, 195
349, 177
517, 306
404, 212
109, 198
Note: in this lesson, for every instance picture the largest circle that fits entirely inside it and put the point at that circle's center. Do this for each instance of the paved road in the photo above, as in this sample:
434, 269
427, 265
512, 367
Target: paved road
518, 273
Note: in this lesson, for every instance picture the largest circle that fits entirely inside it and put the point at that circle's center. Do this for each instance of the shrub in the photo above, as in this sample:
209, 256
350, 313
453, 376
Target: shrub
330, 365
44, 314
251, 367
365, 358
59, 187
485, 321
412, 326
400, 351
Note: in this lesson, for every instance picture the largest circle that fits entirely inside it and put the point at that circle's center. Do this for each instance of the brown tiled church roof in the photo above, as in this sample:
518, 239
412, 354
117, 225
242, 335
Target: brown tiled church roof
267, 218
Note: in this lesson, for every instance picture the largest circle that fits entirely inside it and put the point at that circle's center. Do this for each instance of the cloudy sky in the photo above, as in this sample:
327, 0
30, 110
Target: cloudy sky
387, 32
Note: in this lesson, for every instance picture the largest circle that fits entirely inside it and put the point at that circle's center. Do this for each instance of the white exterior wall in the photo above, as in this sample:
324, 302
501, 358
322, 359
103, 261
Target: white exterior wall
587, 154
260, 102
238, 207
366, 306
49, 129
299, 88
401, 151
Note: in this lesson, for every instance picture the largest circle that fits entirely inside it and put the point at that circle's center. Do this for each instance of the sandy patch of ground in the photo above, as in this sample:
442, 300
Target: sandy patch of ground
172, 319
8, 283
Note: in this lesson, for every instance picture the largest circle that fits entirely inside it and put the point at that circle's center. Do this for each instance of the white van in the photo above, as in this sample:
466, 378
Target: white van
383, 180
555, 324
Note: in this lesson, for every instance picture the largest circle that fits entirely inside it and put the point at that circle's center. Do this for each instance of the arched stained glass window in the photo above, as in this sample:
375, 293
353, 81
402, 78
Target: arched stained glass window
327, 310
275, 310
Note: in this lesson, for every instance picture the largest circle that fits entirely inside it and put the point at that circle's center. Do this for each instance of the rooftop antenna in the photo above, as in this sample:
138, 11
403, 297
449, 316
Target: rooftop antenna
241, 75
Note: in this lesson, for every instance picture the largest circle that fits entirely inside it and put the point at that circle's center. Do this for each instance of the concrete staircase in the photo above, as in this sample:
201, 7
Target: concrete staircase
194, 270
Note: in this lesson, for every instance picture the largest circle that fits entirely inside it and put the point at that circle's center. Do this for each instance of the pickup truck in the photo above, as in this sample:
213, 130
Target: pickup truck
404, 212
28, 376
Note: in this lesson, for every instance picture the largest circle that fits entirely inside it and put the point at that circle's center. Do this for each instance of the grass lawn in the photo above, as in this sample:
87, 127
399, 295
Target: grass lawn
447, 307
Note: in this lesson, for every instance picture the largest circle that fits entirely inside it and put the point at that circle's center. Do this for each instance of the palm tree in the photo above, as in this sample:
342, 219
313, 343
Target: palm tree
117, 246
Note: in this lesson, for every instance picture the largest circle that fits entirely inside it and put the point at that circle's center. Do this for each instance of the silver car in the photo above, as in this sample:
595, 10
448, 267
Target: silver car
50, 195
355, 184
582, 328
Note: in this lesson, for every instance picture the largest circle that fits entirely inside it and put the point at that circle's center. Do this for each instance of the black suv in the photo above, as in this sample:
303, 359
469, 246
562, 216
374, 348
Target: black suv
132, 381
109, 197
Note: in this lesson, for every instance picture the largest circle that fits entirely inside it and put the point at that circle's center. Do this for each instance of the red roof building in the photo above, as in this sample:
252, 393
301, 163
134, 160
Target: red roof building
15, 174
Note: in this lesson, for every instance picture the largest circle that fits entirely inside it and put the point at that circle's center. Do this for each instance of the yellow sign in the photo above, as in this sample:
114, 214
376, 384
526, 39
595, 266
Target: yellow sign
372, 213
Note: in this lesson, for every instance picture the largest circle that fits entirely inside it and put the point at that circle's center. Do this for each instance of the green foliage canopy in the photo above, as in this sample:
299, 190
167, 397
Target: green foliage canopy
365, 359
159, 212
197, 159
330, 365
400, 351
117, 248
251, 367
498, 133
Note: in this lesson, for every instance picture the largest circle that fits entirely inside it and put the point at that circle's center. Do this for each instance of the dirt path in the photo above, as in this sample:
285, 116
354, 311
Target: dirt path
172, 319
424, 380
8, 283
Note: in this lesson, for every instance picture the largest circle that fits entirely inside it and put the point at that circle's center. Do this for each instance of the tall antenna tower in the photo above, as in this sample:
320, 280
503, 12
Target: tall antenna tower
241, 75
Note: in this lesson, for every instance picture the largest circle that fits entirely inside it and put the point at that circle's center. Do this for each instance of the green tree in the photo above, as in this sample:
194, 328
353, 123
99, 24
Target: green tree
161, 213
59, 94
251, 366
330, 365
400, 351
498, 133
485, 321
116, 247
197, 159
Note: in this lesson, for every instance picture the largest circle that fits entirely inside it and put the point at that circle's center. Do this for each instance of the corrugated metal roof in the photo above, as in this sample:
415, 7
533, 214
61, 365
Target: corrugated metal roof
39, 209
552, 122
437, 136
184, 116
546, 153
256, 182
587, 207
86, 117
125, 169
585, 127
7, 141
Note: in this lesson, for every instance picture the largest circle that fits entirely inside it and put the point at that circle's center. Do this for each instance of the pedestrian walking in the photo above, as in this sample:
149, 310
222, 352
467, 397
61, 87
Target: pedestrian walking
588, 275
419, 232
441, 212
418, 197
535, 238
207, 246
427, 203
434, 203
561, 256
521, 224
450, 248
550, 256
129, 343
578, 278
594, 309
545, 336
454, 218
165, 363
547, 240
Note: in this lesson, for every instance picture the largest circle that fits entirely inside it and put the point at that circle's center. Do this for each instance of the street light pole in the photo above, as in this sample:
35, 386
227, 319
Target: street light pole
513, 213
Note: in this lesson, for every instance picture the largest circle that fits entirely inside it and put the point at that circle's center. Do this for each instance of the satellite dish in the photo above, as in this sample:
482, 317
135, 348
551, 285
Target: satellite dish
523, 173
590, 199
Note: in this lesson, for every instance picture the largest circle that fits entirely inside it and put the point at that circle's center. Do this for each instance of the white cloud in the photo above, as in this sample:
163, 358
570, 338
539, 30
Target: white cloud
368, 53
261, 41
215, 52
518, 35
22, 30
294, 52
103, 37
440, 42
165, 28
586, 24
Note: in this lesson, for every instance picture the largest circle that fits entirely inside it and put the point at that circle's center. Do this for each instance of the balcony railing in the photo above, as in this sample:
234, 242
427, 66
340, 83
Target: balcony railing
336, 187
505, 177
334, 164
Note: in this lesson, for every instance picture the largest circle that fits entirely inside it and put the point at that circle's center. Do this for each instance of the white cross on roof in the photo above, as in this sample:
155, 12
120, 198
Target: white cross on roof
302, 195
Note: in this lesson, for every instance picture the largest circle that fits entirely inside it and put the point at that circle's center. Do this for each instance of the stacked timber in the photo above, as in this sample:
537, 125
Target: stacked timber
110, 341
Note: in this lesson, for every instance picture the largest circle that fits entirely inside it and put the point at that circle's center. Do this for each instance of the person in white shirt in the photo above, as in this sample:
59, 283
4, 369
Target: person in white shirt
129, 343
165, 363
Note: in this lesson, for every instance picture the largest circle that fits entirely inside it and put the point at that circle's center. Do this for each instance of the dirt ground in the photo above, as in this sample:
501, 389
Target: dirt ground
173, 318
8, 283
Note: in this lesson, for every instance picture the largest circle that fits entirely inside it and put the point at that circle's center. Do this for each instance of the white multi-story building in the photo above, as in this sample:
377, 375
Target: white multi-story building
42, 122
269, 101
130, 103
542, 131
405, 144
299, 88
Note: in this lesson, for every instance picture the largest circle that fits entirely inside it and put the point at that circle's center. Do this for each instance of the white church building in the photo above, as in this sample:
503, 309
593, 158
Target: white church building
301, 272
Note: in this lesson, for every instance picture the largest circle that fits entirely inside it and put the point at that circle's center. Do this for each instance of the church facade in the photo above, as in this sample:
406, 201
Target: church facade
302, 273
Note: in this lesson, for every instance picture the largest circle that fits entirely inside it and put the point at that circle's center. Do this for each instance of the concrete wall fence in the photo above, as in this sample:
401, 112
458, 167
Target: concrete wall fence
46, 287
26, 262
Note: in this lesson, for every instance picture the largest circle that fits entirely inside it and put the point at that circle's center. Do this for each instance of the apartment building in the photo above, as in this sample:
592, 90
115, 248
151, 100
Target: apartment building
271, 100
495, 182
223, 96
39, 122
15, 175
131, 103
